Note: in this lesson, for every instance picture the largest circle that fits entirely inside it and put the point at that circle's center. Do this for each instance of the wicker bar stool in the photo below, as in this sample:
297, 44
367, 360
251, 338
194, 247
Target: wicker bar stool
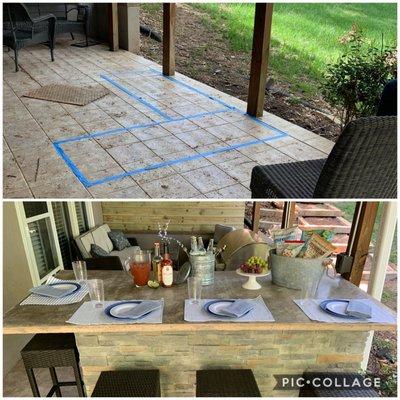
51, 351
226, 383
130, 383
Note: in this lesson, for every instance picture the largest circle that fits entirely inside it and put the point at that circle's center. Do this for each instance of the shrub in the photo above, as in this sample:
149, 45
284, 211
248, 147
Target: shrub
353, 85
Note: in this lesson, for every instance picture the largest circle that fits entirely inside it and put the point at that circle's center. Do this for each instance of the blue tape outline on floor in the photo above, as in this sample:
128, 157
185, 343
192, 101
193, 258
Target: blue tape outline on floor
89, 183
135, 96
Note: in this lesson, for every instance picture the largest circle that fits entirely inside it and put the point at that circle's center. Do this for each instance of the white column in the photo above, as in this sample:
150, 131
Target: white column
380, 261
383, 247
129, 27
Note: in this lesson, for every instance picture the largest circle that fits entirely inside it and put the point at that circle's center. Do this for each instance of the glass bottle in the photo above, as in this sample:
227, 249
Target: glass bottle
193, 245
157, 263
167, 275
200, 244
210, 247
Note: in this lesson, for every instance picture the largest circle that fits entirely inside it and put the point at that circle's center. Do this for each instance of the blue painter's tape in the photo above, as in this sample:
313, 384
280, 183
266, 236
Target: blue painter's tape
233, 108
181, 160
167, 119
135, 96
144, 72
186, 85
133, 127
72, 166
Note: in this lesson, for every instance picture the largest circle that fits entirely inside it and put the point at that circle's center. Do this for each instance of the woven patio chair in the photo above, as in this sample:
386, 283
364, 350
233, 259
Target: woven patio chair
226, 383
134, 383
308, 390
51, 351
21, 30
362, 164
71, 18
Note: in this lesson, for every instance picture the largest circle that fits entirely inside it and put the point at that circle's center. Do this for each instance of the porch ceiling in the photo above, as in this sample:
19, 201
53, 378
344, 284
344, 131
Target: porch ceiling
152, 136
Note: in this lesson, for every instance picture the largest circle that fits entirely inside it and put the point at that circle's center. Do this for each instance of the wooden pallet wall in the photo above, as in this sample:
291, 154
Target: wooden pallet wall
186, 217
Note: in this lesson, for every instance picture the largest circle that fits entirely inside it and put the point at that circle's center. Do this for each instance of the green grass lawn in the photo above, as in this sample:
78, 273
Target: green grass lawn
348, 212
305, 36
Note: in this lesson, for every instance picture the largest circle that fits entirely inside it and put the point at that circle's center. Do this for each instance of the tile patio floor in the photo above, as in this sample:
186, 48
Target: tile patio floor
151, 137
16, 383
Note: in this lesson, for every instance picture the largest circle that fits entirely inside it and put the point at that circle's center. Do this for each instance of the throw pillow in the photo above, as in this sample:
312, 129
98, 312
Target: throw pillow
119, 240
97, 252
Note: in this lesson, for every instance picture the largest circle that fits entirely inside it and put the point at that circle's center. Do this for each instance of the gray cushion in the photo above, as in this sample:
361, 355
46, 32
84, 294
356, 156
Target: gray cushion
221, 230
119, 240
97, 235
97, 252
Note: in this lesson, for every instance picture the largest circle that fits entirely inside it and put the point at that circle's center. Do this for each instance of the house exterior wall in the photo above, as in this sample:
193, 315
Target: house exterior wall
18, 278
185, 217
97, 213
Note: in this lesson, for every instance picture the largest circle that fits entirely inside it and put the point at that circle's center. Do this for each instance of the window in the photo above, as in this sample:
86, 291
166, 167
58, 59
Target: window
43, 246
40, 238
64, 231
49, 229
35, 208
71, 220
81, 216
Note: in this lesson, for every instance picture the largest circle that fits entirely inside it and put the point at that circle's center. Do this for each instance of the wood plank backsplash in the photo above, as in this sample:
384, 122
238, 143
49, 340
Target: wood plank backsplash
185, 216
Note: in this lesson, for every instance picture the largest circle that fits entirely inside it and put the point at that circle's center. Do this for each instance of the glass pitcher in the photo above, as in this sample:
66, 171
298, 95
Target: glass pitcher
138, 266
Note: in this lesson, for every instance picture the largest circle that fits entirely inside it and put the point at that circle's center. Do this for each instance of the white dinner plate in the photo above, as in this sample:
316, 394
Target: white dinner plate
122, 310
67, 288
338, 307
215, 307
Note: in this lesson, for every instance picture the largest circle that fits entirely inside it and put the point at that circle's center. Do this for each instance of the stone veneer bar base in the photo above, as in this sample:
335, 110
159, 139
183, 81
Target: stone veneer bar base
178, 355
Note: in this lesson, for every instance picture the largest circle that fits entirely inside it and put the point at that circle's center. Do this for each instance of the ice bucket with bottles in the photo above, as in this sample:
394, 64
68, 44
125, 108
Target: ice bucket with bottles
203, 266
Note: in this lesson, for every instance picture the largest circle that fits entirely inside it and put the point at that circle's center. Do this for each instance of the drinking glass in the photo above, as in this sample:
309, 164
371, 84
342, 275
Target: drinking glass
309, 288
80, 270
96, 292
194, 289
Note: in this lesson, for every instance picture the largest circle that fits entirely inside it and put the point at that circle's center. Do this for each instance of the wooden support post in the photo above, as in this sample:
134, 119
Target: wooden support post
255, 224
288, 214
113, 37
169, 16
259, 59
360, 238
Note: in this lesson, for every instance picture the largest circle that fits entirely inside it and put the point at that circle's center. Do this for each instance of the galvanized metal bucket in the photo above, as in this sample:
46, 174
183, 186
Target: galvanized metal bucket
203, 266
295, 273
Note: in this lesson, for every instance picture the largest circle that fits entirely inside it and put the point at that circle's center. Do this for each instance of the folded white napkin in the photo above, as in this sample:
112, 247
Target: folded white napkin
237, 309
143, 308
359, 309
50, 291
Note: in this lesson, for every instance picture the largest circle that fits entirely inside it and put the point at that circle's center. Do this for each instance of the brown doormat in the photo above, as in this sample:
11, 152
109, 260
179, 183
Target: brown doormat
68, 94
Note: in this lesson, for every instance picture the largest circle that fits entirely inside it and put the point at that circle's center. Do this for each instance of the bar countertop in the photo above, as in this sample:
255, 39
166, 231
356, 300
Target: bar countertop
118, 286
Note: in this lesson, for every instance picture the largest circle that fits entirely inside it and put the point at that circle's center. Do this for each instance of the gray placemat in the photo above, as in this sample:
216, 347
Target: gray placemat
78, 296
87, 314
311, 308
196, 312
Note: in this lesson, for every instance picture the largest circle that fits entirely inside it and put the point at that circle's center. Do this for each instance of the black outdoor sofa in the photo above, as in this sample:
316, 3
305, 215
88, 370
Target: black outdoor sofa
362, 164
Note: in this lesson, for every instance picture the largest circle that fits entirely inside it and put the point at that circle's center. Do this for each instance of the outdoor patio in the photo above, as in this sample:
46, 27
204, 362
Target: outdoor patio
152, 136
